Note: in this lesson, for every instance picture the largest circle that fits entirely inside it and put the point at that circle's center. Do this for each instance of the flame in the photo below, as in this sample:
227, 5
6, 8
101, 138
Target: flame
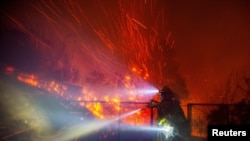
29, 79
96, 109
126, 40
116, 100
110, 109
51, 86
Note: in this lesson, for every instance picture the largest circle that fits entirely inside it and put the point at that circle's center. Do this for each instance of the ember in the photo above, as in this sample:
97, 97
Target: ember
109, 58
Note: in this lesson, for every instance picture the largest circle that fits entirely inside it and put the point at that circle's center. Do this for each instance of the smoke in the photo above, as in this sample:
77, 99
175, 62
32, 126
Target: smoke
118, 44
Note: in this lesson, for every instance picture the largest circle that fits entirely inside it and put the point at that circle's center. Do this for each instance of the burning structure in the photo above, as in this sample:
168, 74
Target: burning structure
105, 53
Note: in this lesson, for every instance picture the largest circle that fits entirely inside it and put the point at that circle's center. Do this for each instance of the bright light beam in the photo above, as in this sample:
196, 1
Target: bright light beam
84, 129
146, 91
150, 91
148, 128
167, 131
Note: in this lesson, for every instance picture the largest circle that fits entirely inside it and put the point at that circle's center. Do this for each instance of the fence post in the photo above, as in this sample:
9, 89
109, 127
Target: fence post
189, 117
151, 116
189, 112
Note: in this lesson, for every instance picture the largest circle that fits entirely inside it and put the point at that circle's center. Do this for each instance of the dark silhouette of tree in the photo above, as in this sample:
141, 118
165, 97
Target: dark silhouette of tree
241, 112
231, 111
219, 116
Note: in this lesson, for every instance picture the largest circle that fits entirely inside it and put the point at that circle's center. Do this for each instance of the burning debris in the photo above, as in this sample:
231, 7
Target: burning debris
97, 59
113, 42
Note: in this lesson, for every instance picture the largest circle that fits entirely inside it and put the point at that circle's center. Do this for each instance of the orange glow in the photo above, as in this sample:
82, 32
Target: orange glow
133, 69
129, 43
79, 98
117, 108
116, 100
106, 98
33, 80
112, 108
29, 79
130, 40
127, 77
96, 109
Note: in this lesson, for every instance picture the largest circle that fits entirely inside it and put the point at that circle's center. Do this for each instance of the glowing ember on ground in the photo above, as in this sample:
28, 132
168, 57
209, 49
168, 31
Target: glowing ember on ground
107, 109
112, 54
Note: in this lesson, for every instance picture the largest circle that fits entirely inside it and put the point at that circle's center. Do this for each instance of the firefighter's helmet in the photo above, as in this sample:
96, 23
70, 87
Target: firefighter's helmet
166, 92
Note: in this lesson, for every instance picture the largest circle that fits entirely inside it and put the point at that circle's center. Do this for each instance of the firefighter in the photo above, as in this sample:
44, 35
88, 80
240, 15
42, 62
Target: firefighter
171, 117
